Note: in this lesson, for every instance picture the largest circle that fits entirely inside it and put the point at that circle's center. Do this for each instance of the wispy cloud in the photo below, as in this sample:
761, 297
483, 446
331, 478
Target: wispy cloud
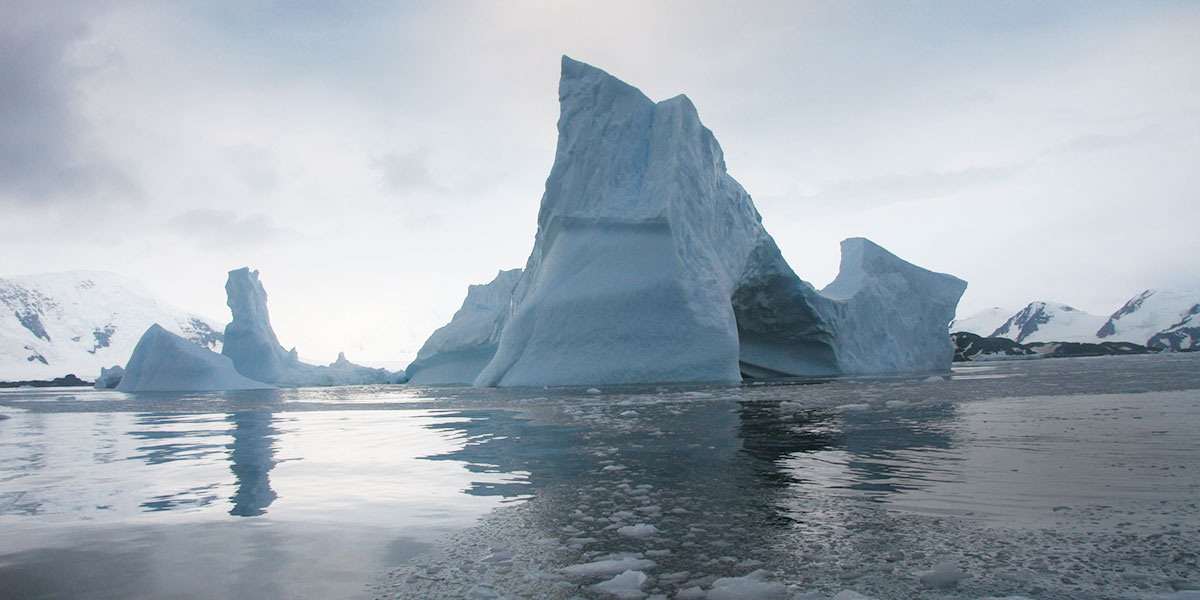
226, 228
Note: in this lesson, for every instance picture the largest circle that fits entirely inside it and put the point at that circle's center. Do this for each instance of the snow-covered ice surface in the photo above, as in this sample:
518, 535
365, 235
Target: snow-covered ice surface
1072, 478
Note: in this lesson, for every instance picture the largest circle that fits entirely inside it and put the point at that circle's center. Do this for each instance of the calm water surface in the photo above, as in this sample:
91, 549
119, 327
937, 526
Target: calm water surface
1048, 479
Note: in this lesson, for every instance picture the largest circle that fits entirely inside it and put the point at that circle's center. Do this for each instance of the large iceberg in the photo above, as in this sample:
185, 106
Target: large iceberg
165, 362
457, 352
651, 264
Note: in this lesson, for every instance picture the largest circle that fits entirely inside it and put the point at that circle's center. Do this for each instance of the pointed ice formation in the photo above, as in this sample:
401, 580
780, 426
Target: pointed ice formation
651, 264
457, 352
250, 341
165, 362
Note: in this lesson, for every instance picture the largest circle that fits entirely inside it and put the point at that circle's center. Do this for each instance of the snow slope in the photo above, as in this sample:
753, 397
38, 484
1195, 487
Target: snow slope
1157, 318
1050, 322
650, 264
984, 322
1148, 314
458, 351
77, 322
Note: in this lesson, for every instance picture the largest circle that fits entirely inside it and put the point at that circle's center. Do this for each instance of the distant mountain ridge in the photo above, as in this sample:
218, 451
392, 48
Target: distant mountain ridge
52, 324
1158, 319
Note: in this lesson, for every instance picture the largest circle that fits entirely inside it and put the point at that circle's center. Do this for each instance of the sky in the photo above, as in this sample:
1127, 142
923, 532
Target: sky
372, 159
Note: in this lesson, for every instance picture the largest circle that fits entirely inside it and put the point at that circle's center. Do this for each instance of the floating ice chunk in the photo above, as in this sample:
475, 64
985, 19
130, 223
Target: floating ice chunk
1180, 595
896, 404
850, 595
934, 379
109, 378
944, 575
754, 586
854, 407
593, 390
627, 586
608, 566
640, 530
691, 593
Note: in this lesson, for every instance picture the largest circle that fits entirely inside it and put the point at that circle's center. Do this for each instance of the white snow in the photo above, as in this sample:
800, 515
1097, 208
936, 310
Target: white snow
1050, 322
165, 362
1147, 314
458, 351
645, 246
82, 321
983, 322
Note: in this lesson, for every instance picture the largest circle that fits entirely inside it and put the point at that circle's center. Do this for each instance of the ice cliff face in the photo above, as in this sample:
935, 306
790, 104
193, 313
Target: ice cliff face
651, 264
892, 316
52, 324
165, 362
457, 352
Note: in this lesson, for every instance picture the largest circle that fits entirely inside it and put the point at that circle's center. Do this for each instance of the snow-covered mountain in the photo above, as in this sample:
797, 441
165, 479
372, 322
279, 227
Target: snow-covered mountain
1156, 318
1049, 322
76, 322
1148, 314
984, 322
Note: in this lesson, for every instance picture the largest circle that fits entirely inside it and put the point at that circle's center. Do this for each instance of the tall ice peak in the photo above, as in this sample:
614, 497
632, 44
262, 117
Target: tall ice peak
651, 264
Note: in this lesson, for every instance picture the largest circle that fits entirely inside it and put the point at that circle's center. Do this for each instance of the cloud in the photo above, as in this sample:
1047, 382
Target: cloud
46, 152
225, 228
403, 173
887, 189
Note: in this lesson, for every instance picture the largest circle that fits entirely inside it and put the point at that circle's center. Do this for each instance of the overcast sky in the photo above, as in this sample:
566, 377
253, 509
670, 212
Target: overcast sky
372, 159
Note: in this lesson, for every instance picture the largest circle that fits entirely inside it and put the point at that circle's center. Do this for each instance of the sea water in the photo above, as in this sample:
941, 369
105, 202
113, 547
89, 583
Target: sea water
1065, 478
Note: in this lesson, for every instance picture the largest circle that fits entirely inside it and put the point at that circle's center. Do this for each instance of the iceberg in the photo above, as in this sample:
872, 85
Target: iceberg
457, 352
651, 264
250, 341
251, 344
109, 378
165, 362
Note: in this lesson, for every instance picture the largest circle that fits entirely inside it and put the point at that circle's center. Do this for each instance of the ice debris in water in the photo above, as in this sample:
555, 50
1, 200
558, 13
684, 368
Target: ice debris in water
608, 566
627, 586
944, 575
754, 586
640, 530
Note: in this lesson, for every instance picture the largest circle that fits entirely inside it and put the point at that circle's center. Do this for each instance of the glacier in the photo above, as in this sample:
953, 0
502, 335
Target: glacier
457, 352
165, 362
651, 264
